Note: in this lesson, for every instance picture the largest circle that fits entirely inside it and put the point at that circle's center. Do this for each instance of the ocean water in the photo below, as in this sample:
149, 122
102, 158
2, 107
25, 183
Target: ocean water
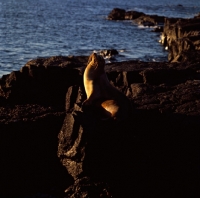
44, 28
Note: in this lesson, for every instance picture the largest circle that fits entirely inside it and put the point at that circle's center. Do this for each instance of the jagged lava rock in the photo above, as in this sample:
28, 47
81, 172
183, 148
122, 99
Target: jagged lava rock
130, 15
154, 153
138, 17
32, 110
182, 37
44, 80
117, 14
150, 149
149, 20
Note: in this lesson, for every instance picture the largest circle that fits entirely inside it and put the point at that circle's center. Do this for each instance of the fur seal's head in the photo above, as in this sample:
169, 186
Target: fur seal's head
96, 64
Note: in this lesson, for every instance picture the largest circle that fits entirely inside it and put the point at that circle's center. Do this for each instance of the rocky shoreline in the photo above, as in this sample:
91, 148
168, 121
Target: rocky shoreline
50, 148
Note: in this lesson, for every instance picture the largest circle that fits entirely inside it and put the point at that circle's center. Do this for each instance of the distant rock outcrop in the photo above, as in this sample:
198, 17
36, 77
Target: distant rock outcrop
138, 17
109, 53
182, 38
117, 14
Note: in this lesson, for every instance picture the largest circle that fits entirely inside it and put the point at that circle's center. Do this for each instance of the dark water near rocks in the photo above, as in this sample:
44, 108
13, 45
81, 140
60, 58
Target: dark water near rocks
43, 28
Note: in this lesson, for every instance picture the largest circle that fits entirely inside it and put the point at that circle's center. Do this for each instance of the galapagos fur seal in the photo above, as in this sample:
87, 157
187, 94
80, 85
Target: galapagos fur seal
106, 99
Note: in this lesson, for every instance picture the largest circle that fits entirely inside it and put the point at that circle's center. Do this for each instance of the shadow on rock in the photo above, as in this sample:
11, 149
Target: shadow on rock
149, 154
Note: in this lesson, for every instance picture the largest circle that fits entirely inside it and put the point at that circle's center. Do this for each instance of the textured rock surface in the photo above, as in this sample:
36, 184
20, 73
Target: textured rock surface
138, 17
149, 20
182, 37
111, 53
85, 187
28, 144
117, 14
32, 110
151, 149
44, 80
154, 153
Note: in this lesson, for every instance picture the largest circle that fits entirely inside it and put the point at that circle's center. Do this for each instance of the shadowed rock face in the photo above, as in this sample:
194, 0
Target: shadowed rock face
153, 153
32, 110
147, 155
182, 36
117, 14
44, 80
138, 17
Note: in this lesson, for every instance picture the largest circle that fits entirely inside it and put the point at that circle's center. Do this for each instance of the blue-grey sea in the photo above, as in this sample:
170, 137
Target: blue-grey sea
43, 28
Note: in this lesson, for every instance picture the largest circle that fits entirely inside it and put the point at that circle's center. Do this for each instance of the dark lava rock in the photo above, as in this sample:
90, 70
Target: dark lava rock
146, 154
130, 15
154, 153
44, 80
181, 36
85, 187
111, 53
121, 14
117, 14
158, 29
197, 16
137, 17
32, 110
149, 20
28, 144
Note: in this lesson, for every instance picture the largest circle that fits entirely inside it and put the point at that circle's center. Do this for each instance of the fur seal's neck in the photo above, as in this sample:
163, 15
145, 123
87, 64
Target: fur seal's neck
95, 66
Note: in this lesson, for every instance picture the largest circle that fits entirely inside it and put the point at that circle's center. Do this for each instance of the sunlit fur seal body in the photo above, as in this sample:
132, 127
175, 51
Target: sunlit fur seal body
106, 99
